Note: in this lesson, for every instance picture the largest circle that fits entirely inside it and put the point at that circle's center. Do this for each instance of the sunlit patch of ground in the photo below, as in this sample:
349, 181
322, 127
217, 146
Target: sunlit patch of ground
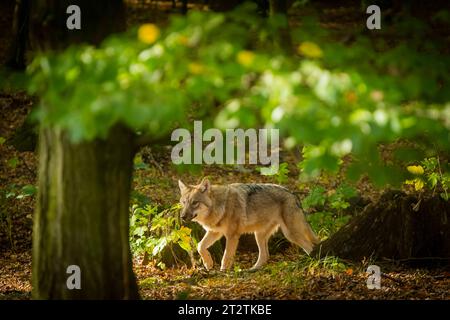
288, 277
15, 275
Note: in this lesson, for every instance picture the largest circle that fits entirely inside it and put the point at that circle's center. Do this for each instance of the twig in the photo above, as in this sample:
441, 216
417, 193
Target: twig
440, 173
33, 173
155, 163
391, 278
145, 140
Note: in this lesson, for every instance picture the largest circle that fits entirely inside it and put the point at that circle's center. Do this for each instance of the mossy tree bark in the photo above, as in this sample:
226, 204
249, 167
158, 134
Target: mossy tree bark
82, 211
82, 217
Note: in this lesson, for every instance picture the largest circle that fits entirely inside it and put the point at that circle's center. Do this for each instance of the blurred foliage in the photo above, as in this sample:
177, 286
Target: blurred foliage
279, 173
332, 99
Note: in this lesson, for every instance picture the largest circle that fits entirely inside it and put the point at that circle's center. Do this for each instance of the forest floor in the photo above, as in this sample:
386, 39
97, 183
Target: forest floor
290, 274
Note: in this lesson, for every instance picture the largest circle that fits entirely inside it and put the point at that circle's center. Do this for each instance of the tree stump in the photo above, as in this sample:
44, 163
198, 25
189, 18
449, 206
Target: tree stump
398, 227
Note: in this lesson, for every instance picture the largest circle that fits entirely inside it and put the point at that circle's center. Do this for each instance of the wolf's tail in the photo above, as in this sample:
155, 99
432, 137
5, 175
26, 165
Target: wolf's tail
297, 230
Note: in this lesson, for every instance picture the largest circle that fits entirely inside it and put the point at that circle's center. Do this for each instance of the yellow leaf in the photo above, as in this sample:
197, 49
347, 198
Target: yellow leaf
310, 50
148, 33
349, 271
183, 40
195, 68
418, 185
415, 169
245, 57
185, 229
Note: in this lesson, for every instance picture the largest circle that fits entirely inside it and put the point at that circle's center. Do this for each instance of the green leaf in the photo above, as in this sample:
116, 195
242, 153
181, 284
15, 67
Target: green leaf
315, 198
186, 246
13, 162
346, 191
433, 178
29, 190
160, 246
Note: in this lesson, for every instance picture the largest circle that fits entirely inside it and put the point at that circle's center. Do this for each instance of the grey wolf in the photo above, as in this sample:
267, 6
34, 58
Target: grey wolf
238, 208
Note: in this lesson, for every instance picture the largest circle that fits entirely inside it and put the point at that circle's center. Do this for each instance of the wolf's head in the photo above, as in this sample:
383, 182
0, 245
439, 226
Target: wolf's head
195, 200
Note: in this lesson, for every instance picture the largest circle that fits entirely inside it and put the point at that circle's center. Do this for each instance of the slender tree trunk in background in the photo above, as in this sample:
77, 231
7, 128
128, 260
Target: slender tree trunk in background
82, 213
20, 29
25, 136
278, 6
281, 7
98, 20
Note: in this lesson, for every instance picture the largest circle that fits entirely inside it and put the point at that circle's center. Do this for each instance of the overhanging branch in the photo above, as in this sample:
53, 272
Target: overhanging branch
147, 139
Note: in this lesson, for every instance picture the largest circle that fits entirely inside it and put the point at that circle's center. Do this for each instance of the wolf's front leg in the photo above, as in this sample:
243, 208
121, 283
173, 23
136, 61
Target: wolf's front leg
202, 248
230, 250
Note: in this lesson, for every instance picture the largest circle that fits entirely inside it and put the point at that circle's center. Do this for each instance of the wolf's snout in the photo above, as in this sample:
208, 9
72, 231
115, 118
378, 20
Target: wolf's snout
183, 216
187, 216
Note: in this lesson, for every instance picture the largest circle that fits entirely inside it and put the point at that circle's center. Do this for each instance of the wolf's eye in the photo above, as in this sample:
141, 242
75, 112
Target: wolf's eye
195, 204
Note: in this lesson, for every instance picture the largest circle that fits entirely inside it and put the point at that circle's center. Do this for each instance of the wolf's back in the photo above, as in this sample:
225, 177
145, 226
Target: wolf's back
293, 217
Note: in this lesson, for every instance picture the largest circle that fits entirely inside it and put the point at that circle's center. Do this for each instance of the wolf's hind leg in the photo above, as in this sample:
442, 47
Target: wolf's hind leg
262, 240
202, 248
230, 251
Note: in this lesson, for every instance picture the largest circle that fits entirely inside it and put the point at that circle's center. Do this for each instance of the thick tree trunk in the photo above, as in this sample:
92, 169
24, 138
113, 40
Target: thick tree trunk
82, 217
399, 227
82, 212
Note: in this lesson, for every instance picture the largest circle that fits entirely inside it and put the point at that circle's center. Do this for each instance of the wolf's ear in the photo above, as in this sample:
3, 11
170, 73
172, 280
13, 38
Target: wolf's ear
205, 185
182, 186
